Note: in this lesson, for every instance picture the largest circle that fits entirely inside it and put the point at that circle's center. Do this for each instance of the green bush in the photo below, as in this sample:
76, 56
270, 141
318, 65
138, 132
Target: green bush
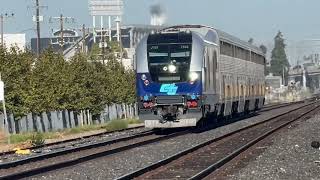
37, 139
17, 138
49, 83
31, 137
116, 125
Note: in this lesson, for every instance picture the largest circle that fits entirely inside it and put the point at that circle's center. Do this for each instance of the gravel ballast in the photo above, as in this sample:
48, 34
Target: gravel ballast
76, 143
117, 165
289, 156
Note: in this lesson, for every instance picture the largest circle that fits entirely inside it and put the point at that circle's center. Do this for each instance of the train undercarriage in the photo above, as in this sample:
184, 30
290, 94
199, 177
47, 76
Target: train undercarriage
191, 113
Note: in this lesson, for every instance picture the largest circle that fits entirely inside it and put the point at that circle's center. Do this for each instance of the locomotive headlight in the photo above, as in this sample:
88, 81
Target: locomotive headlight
165, 68
193, 76
143, 77
172, 68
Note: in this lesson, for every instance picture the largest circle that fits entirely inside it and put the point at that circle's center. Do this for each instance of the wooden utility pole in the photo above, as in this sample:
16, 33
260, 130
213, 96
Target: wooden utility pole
83, 38
61, 33
1, 24
37, 18
38, 27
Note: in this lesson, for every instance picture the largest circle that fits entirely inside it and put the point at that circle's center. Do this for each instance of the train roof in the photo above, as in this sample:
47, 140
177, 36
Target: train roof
204, 30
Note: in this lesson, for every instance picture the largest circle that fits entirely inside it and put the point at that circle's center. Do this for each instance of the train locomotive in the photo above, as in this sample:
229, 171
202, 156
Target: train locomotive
189, 72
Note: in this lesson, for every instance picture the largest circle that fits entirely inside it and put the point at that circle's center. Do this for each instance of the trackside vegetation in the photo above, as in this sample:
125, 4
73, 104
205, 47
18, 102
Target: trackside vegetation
50, 83
38, 138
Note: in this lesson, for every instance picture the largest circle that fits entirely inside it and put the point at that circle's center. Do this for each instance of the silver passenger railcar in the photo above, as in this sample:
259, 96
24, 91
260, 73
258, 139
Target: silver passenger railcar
189, 72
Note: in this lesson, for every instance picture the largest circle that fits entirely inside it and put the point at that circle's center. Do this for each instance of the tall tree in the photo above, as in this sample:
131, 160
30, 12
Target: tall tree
263, 49
250, 41
279, 62
15, 68
49, 79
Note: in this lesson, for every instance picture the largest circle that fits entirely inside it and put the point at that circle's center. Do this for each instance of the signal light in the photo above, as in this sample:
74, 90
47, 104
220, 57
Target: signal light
148, 105
193, 76
189, 103
146, 82
172, 68
192, 104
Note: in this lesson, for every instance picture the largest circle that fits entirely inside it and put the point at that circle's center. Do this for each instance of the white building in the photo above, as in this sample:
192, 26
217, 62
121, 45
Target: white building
15, 40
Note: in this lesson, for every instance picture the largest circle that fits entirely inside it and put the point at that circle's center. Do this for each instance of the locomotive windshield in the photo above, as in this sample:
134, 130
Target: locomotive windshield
169, 57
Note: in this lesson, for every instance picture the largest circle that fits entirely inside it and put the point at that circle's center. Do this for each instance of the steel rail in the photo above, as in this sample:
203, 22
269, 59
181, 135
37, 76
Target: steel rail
39, 157
235, 153
67, 163
268, 108
59, 165
276, 106
73, 139
166, 161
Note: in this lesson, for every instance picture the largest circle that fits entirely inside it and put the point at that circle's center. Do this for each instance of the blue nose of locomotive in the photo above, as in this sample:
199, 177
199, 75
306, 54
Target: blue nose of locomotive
147, 88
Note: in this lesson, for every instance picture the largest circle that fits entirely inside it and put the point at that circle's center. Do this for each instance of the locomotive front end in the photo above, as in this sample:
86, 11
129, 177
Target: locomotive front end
169, 85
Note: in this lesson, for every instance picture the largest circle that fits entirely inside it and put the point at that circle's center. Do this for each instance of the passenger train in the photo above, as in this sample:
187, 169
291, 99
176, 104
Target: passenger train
189, 72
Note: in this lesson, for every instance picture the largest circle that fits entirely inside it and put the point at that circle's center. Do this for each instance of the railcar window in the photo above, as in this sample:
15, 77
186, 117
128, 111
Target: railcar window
180, 54
158, 54
161, 56
240, 53
253, 57
226, 49
247, 55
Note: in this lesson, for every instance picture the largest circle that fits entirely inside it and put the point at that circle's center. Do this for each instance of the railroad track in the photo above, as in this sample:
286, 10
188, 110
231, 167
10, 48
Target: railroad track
203, 159
84, 138
45, 162
276, 106
72, 142
34, 165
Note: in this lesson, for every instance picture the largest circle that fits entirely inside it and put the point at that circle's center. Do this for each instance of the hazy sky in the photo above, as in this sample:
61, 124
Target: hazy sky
259, 19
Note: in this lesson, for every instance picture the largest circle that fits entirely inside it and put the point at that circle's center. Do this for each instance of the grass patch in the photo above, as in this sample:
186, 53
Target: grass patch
31, 137
3, 137
134, 121
38, 138
87, 128
116, 125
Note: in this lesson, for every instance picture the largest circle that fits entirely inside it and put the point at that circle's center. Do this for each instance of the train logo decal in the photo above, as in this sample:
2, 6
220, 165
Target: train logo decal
170, 89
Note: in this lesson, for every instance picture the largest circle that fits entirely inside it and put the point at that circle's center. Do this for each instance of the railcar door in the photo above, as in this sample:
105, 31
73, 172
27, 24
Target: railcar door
210, 76
213, 75
206, 72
